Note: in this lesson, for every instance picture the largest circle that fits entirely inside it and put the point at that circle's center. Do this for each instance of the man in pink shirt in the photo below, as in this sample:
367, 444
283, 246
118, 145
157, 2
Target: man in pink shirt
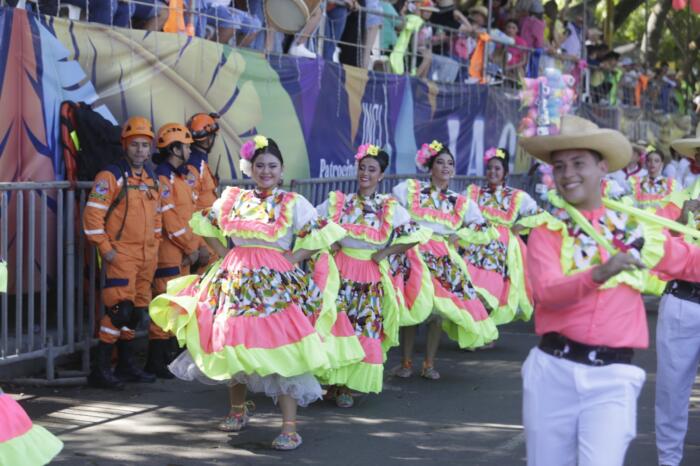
588, 265
532, 26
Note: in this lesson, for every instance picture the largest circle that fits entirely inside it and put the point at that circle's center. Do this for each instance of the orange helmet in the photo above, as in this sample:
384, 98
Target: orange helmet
203, 124
173, 132
137, 126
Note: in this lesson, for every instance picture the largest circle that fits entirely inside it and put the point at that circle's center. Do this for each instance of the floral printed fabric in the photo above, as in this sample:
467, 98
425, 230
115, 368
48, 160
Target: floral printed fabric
362, 302
450, 276
624, 233
490, 256
261, 292
505, 205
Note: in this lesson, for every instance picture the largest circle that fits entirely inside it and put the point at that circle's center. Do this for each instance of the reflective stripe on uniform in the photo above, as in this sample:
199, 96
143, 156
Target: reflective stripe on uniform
96, 205
167, 207
157, 230
101, 231
110, 331
167, 272
179, 232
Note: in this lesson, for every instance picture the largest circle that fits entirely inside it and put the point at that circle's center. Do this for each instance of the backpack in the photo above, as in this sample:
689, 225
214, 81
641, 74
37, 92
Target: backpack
89, 141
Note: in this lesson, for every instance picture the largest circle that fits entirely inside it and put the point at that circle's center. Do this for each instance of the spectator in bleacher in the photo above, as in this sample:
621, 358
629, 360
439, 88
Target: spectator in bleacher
373, 24
517, 58
99, 11
336, 16
392, 23
594, 36
532, 25
630, 77
555, 32
574, 28
500, 14
226, 20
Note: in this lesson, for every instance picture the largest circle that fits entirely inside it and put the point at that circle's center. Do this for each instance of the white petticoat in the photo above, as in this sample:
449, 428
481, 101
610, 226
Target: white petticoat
304, 388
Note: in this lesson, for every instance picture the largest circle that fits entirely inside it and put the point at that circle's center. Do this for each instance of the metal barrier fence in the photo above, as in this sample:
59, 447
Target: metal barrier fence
53, 301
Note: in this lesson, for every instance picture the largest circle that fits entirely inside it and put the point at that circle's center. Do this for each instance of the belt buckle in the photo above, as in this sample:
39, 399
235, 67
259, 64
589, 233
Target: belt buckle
560, 353
593, 358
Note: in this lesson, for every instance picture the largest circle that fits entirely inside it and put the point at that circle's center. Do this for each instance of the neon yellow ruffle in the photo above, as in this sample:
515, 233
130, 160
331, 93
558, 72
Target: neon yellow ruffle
363, 377
650, 255
468, 236
420, 236
35, 447
305, 355
423, 304
342, 351
453, 220
329, 312
460, 324
518, 303
321, 238
202, 226
533, 221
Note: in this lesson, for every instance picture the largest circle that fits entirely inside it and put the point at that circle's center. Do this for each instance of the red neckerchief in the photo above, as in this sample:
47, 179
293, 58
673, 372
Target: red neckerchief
694, 167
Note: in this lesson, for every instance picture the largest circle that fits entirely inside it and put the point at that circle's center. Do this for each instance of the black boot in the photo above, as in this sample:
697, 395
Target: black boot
126, 369
101, 375
157, 362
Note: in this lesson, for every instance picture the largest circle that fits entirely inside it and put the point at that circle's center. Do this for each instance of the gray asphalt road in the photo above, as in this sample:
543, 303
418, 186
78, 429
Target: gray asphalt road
471, 416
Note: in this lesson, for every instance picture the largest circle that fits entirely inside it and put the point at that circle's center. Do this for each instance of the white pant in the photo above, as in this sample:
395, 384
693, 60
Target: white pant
678, 354
578, 414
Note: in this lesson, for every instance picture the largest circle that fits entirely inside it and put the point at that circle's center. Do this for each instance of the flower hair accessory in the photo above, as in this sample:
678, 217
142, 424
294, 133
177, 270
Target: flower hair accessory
249, 147
366, 150
248, 151
493, 152
427, 152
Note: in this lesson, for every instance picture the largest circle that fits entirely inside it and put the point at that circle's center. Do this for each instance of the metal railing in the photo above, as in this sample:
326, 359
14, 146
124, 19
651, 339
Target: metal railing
53, 301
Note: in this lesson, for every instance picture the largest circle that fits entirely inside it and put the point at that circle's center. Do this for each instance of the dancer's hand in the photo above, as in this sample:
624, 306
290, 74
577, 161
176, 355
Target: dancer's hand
618, 263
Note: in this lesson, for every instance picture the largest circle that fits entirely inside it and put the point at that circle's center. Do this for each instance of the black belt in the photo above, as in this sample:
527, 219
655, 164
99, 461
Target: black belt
560, 346
686, 291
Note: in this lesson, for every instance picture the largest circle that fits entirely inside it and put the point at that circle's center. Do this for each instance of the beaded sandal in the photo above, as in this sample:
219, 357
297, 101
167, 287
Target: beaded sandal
344, 400
236, 421
405, 370
429, 372
287, 440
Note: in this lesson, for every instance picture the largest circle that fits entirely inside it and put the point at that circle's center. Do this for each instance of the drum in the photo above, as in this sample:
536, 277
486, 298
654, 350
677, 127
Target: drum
289, 16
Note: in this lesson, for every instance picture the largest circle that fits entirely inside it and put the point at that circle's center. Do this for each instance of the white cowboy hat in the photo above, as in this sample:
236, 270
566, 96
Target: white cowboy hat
687, 147
579, 133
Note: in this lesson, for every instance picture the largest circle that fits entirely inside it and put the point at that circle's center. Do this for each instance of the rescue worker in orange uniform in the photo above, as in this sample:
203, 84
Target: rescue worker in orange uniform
122, 218
204, 128
180, 247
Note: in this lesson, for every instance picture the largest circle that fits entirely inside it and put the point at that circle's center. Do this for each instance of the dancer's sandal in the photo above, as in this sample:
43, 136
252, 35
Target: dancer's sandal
287, 440
405, 370
429, 372
344, 400
237, 418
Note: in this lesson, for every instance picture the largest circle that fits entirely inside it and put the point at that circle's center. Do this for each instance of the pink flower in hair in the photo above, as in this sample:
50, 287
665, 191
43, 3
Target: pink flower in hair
366, 149
247, 150
493, 152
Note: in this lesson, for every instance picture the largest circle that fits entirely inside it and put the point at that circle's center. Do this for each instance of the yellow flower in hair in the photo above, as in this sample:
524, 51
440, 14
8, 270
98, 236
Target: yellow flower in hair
500, 153
261, 142
373, 150
650, 149
436, 146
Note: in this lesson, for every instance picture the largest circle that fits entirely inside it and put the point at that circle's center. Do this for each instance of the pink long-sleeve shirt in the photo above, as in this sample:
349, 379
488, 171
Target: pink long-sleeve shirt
576, 307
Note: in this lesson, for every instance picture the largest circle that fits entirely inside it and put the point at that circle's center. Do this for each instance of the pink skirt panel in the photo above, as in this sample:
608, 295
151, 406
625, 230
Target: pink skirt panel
474, 306
256, 258
320, 274
436, 248
412, 287
273, 331
14, 422
342, 326
492, 282
357, 270
373, 350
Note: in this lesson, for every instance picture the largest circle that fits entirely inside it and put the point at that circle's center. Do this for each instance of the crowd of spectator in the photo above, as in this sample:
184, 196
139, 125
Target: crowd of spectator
444, 41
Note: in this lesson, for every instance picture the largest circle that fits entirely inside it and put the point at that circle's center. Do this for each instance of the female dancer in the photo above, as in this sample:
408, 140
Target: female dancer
498, 267
452, 217
246, 321
367, 305
655, 191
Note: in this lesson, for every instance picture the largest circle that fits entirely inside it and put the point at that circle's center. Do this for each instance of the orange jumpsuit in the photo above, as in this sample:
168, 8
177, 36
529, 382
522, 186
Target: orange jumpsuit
177, 197
204, 186
133, 230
